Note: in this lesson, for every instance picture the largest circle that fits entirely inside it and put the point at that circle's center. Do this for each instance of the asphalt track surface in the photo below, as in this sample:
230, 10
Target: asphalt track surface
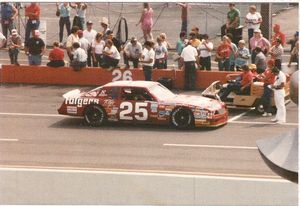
33, 135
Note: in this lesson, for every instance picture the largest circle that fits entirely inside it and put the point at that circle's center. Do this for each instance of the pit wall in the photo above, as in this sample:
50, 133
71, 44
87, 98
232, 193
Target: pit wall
99, 76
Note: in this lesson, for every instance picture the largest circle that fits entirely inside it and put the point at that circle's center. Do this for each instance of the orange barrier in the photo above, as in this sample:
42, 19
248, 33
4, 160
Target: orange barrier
98, 76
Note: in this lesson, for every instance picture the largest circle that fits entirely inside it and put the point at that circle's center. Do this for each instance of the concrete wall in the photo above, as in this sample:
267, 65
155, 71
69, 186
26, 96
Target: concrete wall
23, 186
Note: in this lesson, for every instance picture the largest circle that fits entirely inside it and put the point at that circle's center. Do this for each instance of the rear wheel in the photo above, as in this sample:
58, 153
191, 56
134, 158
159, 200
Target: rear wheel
94, 116
182, 118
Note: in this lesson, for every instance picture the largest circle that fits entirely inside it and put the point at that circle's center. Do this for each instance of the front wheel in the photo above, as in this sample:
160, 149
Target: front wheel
182, 118
94, 116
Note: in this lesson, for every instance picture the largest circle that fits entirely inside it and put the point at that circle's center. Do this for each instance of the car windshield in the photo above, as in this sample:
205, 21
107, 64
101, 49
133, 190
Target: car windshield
161, 92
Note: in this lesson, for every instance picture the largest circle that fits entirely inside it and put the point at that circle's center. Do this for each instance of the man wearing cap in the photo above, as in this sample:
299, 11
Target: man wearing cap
35, 48
14, 43
104, 24
89, 33
33, 12
132, 52
277, 35
258, 41
8, 15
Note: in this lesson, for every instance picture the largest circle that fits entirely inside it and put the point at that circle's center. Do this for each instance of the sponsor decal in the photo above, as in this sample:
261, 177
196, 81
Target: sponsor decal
71, 110
81, 101
108, 102
201, 114
103, 93
154, 107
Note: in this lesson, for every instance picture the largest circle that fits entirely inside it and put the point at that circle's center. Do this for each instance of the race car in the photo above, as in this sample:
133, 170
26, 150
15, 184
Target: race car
143, 102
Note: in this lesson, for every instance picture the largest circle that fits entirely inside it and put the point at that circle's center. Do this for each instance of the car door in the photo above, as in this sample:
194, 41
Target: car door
134, 105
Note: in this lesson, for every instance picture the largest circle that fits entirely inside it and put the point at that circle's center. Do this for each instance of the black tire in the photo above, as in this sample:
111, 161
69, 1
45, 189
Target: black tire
259, 108
182, 118
95, 116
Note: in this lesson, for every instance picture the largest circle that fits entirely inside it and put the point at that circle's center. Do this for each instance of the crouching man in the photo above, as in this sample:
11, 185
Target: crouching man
79, 57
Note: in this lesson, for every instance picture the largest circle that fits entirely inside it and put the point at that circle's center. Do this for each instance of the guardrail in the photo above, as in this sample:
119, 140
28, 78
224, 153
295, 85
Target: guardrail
98, 76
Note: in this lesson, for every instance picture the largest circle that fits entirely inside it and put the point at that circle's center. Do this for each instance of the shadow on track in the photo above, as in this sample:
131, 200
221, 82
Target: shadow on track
78, 123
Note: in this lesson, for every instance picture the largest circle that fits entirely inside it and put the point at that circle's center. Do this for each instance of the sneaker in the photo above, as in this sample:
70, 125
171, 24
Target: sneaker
274, 120
265, 114
280, 122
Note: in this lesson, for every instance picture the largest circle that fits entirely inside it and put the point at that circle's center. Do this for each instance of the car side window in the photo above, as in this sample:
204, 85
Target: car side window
110, 93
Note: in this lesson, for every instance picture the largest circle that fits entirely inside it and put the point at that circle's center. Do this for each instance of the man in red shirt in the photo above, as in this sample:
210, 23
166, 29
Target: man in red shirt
56, 56
268, 78
32, 12
241, 84
277, 35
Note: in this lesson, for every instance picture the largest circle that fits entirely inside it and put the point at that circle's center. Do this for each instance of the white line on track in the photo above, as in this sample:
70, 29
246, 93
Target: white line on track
264, 123
239, 116
211, 146
33, 115
211, 175
9, 140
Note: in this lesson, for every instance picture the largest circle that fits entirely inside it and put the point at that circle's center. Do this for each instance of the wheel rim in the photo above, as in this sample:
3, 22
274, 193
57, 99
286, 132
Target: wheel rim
182, 118
260, 108
94, 116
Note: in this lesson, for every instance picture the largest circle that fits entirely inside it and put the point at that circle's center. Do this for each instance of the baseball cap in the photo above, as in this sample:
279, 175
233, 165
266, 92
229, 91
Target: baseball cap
257, 31
133, 39
14, 32
242, 41
89, 22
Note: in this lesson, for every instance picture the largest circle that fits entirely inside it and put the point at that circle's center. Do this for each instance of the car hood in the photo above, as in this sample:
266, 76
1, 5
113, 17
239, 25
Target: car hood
195, 101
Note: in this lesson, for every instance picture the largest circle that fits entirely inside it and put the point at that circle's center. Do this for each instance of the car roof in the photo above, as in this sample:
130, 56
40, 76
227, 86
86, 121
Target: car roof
145, 84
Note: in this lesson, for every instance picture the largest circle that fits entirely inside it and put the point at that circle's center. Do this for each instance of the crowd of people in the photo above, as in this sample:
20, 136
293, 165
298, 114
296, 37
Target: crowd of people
86, 47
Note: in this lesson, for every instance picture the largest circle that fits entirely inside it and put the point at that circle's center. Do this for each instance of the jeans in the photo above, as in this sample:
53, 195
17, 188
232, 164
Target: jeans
250, 35
278, 63
159, 63
31, 25
109, 62
35, 59
189, 75
77, 65
266, 99
224, 65
236, 86
184, 25
13, 55
205, 63
89, 57
58, 63
62, 22
7, 25
135, 61
147, 72
99, 60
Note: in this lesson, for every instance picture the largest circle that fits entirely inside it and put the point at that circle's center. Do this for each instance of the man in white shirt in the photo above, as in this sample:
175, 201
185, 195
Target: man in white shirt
204, 50
132, 52
279, 95
253, 19
111, 56
84, 43
79, 57
189, 56
89, 33
147, 59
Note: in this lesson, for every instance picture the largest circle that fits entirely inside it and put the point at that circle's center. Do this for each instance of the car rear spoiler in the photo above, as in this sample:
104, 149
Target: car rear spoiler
213, 90
72, 94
